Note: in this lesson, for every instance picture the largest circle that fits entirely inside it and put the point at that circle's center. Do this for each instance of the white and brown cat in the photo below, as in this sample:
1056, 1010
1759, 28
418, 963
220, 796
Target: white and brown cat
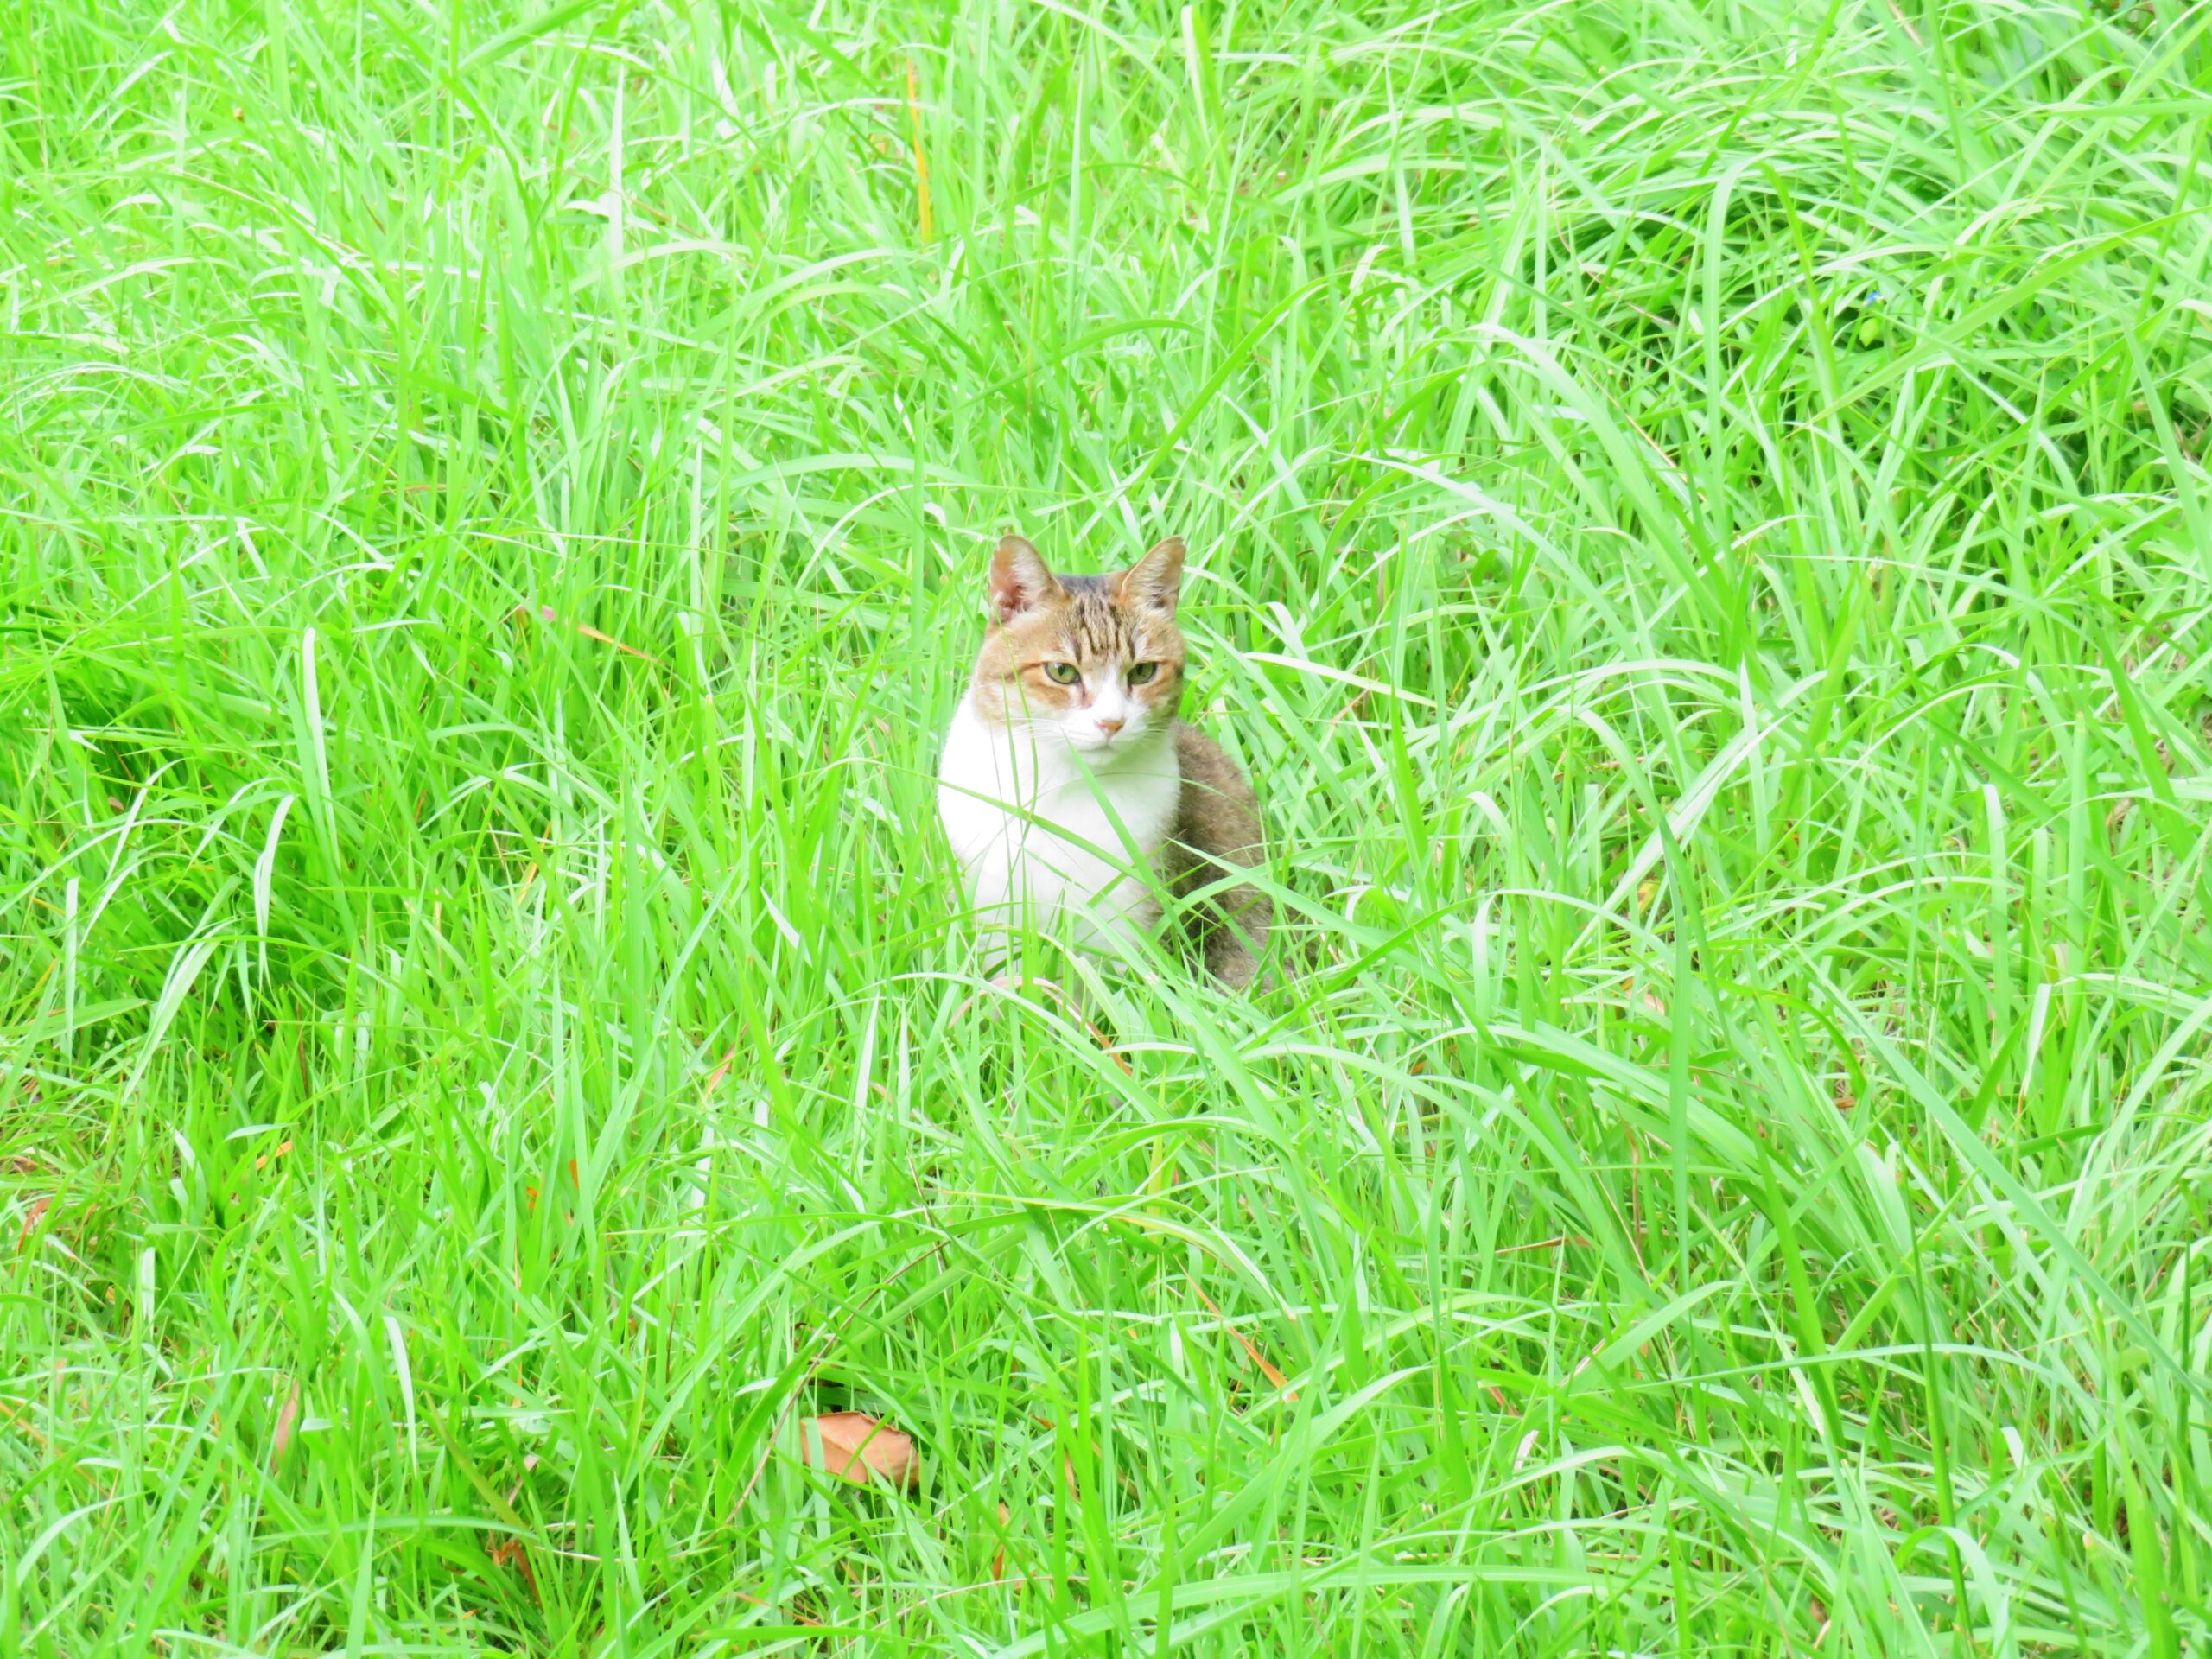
1067, 775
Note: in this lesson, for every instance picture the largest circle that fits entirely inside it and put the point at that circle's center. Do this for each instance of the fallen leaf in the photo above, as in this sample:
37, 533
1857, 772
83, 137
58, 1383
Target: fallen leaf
282, 1147
998, 1561
859, 1447
32, 1218
287, 1419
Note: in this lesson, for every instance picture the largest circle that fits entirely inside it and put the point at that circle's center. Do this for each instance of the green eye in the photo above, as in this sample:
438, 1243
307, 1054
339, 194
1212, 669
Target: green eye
1142, 673
1063, 673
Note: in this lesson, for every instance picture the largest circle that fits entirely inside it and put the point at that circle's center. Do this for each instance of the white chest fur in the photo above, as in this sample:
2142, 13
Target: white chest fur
1043, 834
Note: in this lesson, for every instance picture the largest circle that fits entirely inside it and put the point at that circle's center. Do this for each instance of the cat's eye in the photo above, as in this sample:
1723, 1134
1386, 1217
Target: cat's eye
1142, 673
1063, 673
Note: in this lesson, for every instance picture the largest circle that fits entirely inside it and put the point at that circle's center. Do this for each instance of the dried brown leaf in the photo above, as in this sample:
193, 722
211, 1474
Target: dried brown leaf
720, 1072
590, 633
32, 1217
1273, 1376
9, 1414
287, 1419
858, 1447
508, 1552
547, 613
921, 160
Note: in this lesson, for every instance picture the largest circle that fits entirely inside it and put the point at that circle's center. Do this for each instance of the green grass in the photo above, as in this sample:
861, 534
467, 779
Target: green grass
1700, 531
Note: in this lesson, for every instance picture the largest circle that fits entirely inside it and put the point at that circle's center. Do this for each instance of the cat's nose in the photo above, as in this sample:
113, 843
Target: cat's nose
1109, 727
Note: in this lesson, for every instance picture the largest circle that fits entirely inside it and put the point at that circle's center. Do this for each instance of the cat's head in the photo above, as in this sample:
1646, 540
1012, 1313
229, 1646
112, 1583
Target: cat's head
1095, 662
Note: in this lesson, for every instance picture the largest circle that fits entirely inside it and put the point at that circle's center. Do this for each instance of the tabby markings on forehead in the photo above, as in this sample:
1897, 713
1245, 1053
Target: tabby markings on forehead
1098, 629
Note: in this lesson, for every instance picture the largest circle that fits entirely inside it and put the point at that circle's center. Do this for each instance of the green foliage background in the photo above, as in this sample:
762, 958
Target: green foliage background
1700, 529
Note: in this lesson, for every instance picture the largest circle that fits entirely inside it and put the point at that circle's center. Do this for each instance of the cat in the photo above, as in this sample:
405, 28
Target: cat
1066, 774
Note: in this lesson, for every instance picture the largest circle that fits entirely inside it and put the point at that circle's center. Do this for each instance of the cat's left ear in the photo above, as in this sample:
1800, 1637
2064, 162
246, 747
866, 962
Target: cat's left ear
1155, 582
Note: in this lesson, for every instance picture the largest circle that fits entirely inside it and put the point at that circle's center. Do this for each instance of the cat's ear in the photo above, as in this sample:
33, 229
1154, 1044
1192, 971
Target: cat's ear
1155, 582
1019, 580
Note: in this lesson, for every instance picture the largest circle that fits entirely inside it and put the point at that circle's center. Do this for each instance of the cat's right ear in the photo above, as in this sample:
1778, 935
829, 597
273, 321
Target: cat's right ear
1019, 580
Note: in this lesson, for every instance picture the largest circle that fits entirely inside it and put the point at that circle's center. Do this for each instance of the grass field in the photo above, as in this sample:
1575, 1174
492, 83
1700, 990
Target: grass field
1700, 530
